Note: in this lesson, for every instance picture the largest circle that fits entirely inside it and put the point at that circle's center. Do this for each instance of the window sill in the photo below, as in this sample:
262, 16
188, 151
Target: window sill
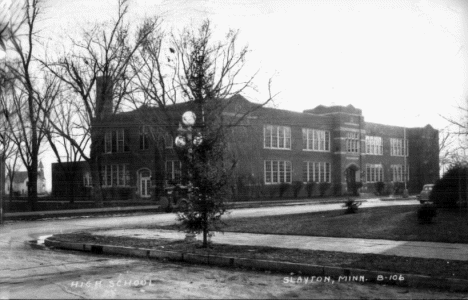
308, 150
288, 149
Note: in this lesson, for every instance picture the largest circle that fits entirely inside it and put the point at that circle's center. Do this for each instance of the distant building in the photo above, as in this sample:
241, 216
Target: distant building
20, 182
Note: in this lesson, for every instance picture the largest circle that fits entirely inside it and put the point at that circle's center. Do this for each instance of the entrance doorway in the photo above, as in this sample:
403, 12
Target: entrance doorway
145, 183
351, 173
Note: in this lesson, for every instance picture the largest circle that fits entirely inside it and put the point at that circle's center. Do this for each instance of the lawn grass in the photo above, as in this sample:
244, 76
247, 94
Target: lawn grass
397, 264
391, 223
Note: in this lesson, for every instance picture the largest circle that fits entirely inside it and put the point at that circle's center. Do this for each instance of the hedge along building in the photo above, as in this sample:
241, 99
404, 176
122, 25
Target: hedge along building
272, 148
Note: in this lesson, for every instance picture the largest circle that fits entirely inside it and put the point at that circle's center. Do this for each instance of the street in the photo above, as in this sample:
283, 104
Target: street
43, 273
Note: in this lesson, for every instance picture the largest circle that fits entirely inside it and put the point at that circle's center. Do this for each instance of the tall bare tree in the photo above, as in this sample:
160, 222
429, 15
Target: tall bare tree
454, 138
102, 53
32, 95
69, 117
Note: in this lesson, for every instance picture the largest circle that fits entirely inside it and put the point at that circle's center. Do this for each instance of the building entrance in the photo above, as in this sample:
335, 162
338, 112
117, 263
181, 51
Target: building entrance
351, 186
145, 180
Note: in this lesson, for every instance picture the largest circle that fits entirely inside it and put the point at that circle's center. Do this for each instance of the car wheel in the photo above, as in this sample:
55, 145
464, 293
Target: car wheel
183, 205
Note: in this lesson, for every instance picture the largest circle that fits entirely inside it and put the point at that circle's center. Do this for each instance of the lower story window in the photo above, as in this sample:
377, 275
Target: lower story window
115, 175
316, 171
399, 174
173, 173
374, 173
277, 171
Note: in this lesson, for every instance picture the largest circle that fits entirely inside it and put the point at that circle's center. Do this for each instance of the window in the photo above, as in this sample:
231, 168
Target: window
374, 173
352, 142
144, 139
315, 140
115, 175
399, 174
398, 147
108, 142
173, 171
374, 145
316, 171
87, 179
168, 141
277, 171
277, 137
114, 141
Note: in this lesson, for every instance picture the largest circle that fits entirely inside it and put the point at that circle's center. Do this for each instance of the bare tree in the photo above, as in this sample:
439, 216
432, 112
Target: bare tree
69, 117
9, 152
101, 53
454, 141
32, 95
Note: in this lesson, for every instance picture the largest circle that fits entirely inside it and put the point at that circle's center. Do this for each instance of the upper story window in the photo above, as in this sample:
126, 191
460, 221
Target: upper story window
168, 141
374, 173
374, 145
144, 138
277, 137
114, 141
352, 142
87, 181
315, 140
398, 147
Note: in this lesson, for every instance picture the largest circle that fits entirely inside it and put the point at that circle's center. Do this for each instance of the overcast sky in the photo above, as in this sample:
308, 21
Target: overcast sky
403, 62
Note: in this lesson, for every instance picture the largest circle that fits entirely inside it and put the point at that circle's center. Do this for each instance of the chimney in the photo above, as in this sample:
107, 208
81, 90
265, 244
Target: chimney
104, 89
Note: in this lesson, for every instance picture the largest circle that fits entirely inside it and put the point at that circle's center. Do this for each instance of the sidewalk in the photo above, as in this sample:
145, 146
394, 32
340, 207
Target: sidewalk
130, 209
446, 251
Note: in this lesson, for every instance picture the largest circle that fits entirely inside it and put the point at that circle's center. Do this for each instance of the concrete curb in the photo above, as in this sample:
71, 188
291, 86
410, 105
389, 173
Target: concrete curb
78, 212
298, 272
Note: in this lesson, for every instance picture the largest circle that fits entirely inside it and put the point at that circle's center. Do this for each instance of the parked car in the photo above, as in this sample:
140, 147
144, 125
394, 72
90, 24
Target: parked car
176, 197
425, 193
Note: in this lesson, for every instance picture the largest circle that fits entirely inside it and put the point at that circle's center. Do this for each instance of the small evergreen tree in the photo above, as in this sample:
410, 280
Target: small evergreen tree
451, 190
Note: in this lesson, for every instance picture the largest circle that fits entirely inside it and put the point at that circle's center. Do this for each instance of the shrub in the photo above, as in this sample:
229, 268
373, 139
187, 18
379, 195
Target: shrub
379, 187
389, 188
337, 189
323, 188
283, 188
426, 213
398, 188
310, 188
351, 206
357, 186
451, 188
297, 186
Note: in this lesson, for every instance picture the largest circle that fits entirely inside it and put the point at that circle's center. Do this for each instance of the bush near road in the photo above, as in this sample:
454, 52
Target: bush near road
451, 191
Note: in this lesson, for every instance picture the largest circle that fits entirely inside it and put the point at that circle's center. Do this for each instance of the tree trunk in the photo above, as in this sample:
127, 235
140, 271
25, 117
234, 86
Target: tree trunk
11, 192
96, 149
97, 184
32, 185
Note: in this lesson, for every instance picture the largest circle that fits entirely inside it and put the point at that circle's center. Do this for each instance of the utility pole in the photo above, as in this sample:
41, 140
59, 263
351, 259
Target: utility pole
405, 171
